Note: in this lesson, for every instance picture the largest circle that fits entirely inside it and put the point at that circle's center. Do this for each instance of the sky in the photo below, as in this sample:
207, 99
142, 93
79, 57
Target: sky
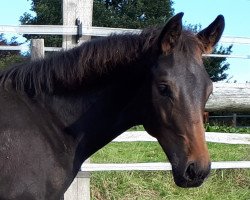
203, 12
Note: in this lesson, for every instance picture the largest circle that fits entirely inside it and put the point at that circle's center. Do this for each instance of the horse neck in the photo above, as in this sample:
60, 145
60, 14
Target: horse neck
105, 102
95, 116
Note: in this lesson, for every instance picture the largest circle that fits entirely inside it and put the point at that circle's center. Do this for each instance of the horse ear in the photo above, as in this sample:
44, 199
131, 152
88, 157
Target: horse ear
170, 33
212, 34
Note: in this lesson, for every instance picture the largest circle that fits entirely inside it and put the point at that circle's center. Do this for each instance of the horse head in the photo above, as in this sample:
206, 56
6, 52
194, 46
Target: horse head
180, 89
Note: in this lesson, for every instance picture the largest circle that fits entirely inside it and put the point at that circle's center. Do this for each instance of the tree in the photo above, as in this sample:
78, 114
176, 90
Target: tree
216, 66
48, 12
8, 58
131, 13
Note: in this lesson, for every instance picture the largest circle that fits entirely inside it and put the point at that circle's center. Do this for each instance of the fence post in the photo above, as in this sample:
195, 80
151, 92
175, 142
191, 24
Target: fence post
80, 187
87, 17
234, 120
77, 11
73, 10
37, 48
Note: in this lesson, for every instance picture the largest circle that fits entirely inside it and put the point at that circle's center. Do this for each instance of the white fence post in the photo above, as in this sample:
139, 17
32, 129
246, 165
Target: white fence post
73, 10
80, 187
87, 14
69, 18
77, 11
37, 48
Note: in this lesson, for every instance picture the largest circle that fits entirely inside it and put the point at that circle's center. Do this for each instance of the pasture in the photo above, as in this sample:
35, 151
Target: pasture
221, 184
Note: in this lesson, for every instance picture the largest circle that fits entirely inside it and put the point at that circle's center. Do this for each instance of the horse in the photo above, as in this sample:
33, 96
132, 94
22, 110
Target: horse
57, 111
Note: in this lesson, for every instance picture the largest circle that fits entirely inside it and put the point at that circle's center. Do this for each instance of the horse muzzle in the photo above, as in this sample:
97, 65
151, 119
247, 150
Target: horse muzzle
193, 175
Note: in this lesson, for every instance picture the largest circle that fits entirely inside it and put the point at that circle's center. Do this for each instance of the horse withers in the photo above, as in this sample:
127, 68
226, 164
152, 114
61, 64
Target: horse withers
58, 111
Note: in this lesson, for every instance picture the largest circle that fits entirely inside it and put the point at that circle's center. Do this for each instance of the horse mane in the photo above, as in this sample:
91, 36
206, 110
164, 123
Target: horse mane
69, 69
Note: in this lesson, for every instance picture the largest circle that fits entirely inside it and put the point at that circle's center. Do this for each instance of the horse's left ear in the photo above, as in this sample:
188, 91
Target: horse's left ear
212, 34
170, 33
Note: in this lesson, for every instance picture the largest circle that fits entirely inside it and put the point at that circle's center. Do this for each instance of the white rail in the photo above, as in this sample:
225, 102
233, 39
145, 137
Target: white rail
143, 136
91, 31
96, 31
27, 48
226, 138
156, 166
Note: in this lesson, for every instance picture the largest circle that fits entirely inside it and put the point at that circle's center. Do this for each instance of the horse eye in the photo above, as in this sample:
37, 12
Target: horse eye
165, 90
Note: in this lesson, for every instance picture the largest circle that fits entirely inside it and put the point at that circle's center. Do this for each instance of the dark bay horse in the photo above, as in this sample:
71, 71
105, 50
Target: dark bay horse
58, 111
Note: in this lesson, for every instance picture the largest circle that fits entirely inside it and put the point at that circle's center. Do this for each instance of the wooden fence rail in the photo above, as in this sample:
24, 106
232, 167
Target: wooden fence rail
232, 97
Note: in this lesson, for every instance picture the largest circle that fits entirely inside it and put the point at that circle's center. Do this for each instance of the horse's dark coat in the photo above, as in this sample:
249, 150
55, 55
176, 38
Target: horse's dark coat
57, 112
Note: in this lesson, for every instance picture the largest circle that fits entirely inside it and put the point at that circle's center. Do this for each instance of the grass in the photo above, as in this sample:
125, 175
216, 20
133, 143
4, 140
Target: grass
136, 185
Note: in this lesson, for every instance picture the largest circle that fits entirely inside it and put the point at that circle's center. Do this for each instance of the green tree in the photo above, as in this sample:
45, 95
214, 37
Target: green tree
48, 12
8, 58
216, 66
131, 13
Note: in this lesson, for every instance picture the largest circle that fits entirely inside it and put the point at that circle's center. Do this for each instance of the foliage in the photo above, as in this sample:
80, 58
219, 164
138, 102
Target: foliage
130, 13
226, 119
226, 129
216, 66
8, 58
48, 12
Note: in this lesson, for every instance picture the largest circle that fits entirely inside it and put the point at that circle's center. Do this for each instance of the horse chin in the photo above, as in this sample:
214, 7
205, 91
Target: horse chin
184, 183
187, 179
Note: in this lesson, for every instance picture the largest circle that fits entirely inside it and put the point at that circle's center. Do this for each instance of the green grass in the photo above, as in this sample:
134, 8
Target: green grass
229, 185
136, 185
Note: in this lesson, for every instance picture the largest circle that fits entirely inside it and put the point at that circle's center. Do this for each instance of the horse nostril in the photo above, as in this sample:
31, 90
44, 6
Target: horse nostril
191, 173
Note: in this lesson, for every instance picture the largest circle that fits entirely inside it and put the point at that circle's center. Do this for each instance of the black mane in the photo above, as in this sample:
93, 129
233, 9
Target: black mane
94, 58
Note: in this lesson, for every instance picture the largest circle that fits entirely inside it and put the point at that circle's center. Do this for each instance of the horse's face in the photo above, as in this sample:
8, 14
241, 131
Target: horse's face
180, 89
